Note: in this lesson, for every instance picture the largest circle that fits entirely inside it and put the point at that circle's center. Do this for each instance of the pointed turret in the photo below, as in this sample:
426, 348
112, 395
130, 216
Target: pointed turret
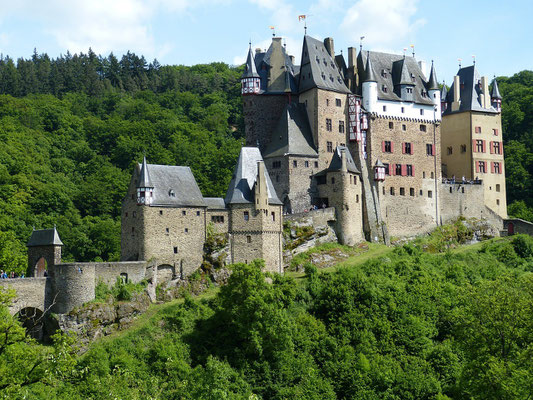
369, 72
495, 96
145, 188
379, 171
250, 80
403, 81
432, 82
370, 87
434, 91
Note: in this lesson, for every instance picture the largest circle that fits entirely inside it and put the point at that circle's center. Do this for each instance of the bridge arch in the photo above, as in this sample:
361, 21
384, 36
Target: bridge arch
30, 292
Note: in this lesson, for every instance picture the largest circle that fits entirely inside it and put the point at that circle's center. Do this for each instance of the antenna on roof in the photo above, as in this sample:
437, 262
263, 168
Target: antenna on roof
474, 58
459, 62
413, 49
361, 43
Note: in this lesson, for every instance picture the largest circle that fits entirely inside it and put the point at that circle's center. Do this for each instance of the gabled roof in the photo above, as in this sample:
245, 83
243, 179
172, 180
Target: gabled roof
144, 177
336, 161
174, 186
383, 65
275, 57
45, 237
400, 73
292, 135
318, 69
215, 203
432, 82
495, 93
240, 190
250, 71
469, 92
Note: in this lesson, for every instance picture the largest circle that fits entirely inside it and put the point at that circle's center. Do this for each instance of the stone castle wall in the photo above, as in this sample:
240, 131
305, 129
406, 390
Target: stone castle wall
131, 237
108, 272
220, 227
73, 285
52, 255
31, 292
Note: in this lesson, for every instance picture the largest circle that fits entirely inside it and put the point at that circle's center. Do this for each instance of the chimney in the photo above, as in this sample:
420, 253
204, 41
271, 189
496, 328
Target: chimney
485, 95
261, 192
352, 57
423, 67
328, 42
258, 50
344, 165
456, 93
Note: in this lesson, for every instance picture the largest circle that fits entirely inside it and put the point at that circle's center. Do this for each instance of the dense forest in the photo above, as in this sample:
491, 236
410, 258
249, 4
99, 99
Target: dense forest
408, 324
72, 129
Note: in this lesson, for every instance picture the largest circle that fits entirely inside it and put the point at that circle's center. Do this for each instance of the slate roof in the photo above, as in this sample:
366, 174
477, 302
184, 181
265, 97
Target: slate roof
215, 203
250, 71
370, 76
263, 63
397, 68
44, 237
470, 90
336, 161
144, 178
495, 92
292, 135
433, 84
318, 69
444, 92
241, 187
174, 186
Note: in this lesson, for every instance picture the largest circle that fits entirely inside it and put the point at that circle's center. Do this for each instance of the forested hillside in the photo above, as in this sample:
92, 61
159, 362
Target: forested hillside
72, 129
405, 325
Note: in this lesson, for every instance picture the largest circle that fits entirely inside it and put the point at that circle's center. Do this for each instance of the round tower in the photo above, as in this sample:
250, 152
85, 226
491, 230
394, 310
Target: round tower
434, 91
370, 87
74, 285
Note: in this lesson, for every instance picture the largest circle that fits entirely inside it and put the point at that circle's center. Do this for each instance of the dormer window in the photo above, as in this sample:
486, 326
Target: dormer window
323, 75
384, 88
317, 59
409, 90
384, 73
171, 193
412, 78
325, 62
423, 93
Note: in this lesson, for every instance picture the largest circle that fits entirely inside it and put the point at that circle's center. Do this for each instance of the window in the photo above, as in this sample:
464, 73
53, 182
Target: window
332, 181
160, 212
328, 124
330, 147
306, 163
407, 148
132, 196
430, 194
496, 149
497, 187
479, 146
432, 175
338, 102
184, 212
449, 150
197, 213
217, 219
429, 149
478, 129
422, 111
277, 178
404, 127
384, 108
403, 110
398, 169
384, 89
391, 125
384, 73
409, 90
357, 198
423, 176
496, 168
495, 132
497, 202
412, 192
327, 102
246, 215
134, 214
421, 192
341, 126
132, 230
392, 191
387, 146
295, 163
481, 167
126, 215
186, 230
463, 148
171, 193
276, 164
402, 191
316, 164
409, 170
175, 250
273, 214
387, 168
423, 127
167, 230
248, 239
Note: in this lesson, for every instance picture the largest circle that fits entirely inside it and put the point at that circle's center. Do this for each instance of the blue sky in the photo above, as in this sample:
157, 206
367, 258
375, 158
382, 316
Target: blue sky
498, 33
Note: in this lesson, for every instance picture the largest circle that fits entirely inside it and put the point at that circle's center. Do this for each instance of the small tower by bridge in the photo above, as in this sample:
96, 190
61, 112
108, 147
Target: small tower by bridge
44, 251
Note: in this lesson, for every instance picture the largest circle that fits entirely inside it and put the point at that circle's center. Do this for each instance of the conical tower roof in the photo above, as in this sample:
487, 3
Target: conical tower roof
432, 83
495, 93
405, 78
369, 72
444, 92
250, 71
144, 177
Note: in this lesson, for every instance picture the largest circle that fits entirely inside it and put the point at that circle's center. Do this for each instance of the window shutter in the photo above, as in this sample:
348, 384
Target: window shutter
403, 148
484, 146
432, 149
413, 170
491, 148
474, 145
392, 147
492, 167
392, 169
412, 148
477, 167
383, 146
496, 132
501, 169
404, 169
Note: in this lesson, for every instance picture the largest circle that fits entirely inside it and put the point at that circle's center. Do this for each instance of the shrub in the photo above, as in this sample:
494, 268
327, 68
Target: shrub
523, 245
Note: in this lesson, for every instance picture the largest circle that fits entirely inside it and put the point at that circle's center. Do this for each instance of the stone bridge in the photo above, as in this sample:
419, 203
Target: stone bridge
31, 292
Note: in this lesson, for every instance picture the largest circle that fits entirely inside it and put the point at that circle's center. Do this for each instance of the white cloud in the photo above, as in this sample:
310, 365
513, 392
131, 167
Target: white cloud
386, 24
284, 17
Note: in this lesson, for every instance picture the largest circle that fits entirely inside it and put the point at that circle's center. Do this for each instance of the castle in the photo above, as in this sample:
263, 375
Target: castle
372, 137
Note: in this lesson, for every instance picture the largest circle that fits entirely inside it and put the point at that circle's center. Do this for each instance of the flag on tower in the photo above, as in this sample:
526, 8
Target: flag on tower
300, 17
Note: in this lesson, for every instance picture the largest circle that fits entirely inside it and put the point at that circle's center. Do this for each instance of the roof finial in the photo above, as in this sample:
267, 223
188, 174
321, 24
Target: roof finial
459, 62
273, 30
413, 47
250, 42
304, 18
474, 58
361, 43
